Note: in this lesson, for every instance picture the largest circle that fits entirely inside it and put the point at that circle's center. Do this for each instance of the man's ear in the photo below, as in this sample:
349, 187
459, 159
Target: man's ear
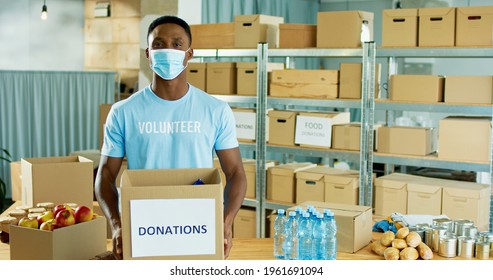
190, 54
147, 53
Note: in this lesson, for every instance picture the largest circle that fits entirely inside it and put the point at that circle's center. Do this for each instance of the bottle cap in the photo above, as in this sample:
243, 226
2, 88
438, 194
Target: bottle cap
280, 211
306, 214
292, 214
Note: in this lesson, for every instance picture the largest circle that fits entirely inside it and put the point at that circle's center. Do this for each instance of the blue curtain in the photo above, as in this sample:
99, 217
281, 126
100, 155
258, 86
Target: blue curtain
48, 113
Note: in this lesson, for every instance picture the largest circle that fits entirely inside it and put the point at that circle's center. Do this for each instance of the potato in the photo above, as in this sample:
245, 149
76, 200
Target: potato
409, 253
399, 243
377, 247
424, 251
402, 232
387, 238
391, 253
413, 239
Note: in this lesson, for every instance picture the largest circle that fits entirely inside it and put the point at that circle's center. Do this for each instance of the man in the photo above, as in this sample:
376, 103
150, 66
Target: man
169, 124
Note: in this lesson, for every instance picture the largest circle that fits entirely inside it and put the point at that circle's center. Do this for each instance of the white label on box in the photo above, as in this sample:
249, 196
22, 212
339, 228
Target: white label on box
172, 227
313, 131
245, 125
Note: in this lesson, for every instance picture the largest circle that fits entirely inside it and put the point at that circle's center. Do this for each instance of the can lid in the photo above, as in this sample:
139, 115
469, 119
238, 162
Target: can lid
23, 207
17, 213
45, 204
37, 210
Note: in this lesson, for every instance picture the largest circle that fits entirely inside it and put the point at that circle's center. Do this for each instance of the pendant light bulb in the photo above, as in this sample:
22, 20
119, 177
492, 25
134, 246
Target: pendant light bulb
44, 12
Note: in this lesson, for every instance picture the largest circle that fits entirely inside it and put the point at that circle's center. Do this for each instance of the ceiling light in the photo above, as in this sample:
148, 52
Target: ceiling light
44, 11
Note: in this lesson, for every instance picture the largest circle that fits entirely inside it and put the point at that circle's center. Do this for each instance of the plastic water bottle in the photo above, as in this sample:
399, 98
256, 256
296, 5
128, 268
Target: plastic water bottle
279, 233
291, 238
299, 214
305, 232
331, 227
319, 244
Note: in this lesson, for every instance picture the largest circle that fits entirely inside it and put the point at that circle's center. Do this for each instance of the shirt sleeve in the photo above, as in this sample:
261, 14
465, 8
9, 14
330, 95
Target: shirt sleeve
226, 134
113, 140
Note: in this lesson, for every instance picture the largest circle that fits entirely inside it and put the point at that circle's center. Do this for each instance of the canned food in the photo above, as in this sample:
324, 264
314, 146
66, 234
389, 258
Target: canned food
429, 237
460, 225
465, 246
437, 232
447, 246
471, 231
444, 222
482, 250
46, 205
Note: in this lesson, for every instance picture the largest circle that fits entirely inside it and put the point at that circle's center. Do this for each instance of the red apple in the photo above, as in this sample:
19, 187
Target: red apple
30, 222
83, 214
64, 218
48, 225
59, 208
47, 215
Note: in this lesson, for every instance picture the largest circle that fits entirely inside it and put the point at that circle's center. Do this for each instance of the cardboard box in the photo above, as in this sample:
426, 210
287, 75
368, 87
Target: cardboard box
246, 124
342, 188
466, 200
221, 77
400, 28
57, 179
354, 224
417, 88
282, 127
252, 29
297, 36
81, 241
355, 27
200, 212
315, 129
16, 180
281, 181
213, 35
391, 193
104, 110
469, 89
245, 225
250, 167
474, 26
403, 140
347, 136
196, 75
436, 27
350, 80
424, 197
456, 133
319, 84
247, 76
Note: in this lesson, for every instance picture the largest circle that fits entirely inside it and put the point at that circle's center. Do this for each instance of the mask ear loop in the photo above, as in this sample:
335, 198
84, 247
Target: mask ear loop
186, 56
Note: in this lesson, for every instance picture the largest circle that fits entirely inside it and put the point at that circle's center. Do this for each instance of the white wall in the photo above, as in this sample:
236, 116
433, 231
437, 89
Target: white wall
29, 43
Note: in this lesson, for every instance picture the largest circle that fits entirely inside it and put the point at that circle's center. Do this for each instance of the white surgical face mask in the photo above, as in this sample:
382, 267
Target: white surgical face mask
167, 63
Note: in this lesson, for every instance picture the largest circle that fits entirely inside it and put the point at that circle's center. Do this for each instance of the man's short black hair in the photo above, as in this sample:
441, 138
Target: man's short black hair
170, 19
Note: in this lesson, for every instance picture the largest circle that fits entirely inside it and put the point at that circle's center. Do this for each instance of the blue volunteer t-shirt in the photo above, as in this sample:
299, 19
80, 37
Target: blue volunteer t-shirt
154, 133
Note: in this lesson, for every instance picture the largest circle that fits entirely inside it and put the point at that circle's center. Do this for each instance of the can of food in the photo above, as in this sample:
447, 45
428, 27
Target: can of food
429, 237
482, 250
465, 247
487, 236
447, 246
437, 232
444, 222
471, 231
461, 225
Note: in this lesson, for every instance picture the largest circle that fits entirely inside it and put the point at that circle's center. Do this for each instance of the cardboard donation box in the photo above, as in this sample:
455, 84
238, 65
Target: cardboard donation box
469, 89
247, 76
315, 129
282, 127
213, 35
436, 27
319, 84
418, 141
281, 181
246, 123
16, 180
244, 225
354, 224
391, 193
196, 74
465, 139
474, 26
417, 88
57, 179
355, 27
252, 29
250, 167
221, 78
350, 80
425, 196
400, 28
188, 223
297, 36
342, 188
81, 241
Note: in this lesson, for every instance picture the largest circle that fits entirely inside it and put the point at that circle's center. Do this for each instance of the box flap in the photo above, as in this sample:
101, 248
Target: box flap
343, 179
246, 65
393, 181
364, 15
285, 115
169, 177
475, 191
196, 65
396, 13
475, 10
296, 26
328, 115
289, 169
309, 176
443, 11
423, 187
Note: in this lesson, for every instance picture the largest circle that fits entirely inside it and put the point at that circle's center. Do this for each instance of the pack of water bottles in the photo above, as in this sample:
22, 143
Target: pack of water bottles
305, 234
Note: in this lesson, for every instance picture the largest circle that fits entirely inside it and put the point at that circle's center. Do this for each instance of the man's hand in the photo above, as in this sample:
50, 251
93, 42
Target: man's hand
117, 244
228, 240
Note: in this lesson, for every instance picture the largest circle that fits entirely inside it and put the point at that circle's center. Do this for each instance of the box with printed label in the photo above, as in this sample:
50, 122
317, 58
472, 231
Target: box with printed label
355, 27
425, 196
319, 84
436, 27
213, 35
282, 127
250, 167
196, 74
417, 88
281, 181
221, 77
81, 241
252, 29
400, 28
404, 140
350, 80
244, 225
315, 129
391, 193
57, 179
247, 76
189, 223
469, 89
354, 224
474, 26
297, 36
246, 124
456, 133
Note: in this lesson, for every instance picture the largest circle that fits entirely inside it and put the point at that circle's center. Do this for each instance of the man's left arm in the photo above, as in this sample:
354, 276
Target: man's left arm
234, 191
